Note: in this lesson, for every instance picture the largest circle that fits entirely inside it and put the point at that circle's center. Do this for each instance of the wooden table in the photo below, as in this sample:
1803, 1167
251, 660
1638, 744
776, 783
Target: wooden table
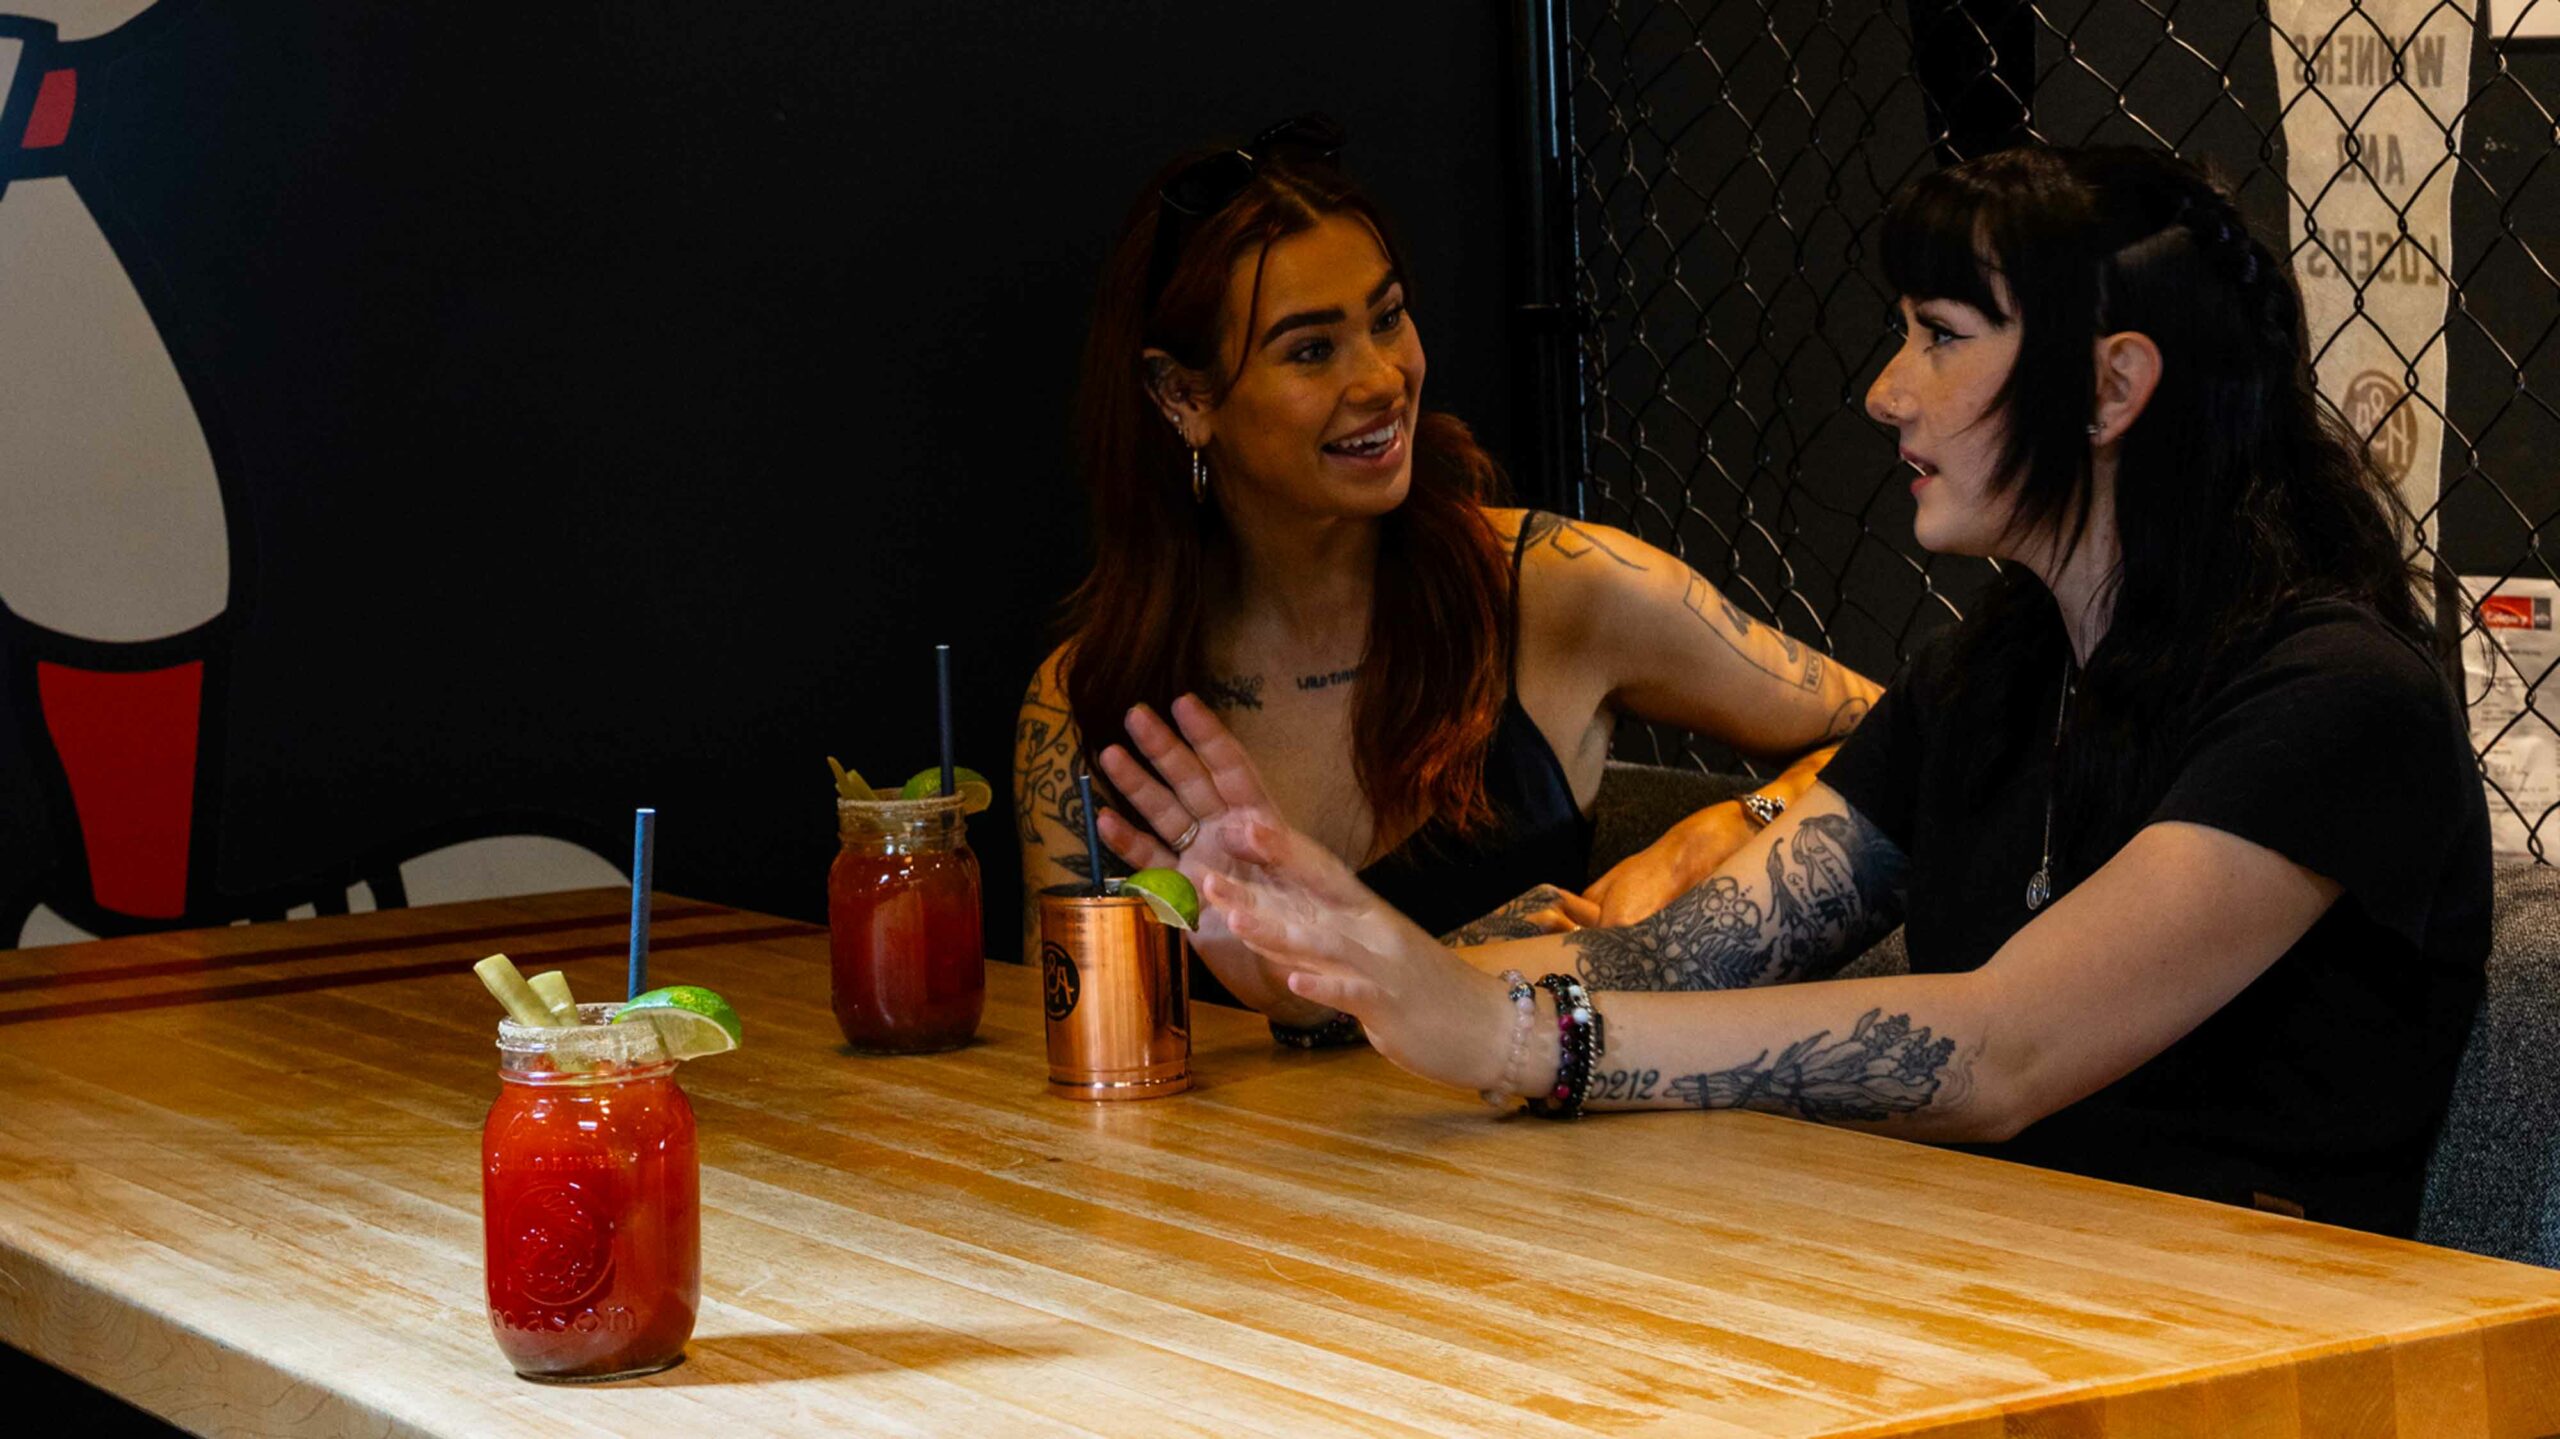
237, 1186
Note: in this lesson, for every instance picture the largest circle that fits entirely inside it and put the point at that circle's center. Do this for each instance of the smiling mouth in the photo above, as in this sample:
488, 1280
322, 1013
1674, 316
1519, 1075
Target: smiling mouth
1368, 444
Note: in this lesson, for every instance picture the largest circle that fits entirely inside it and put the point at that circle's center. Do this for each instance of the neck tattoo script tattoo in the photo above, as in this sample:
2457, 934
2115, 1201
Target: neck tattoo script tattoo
1329, 680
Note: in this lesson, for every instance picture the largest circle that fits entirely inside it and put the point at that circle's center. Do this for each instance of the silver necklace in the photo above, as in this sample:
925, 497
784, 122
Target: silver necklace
2040, 883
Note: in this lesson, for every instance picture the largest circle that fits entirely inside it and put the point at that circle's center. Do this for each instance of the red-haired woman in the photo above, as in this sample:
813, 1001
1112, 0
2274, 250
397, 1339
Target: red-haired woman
1429, 684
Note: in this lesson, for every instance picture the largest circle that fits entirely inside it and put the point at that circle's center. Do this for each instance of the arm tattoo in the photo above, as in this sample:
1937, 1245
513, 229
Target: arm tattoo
1835, 886
1232, 692
1509, 922
1799, 667
1844, 719
1884, 1068
1567, 539
1045, 738
1630, 1084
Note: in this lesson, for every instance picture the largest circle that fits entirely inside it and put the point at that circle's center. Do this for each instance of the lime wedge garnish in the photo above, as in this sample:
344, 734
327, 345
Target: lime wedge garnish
1170, 897
849, 782
691, 1020
975, 793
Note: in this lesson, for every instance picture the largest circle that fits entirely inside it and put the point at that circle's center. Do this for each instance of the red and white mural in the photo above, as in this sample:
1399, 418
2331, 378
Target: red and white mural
124, 564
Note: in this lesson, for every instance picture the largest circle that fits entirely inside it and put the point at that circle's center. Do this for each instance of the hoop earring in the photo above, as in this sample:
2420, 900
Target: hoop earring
1199, 479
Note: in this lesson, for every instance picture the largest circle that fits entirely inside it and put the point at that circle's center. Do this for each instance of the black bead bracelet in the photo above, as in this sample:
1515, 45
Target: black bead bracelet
1579, 1045
1334, 1033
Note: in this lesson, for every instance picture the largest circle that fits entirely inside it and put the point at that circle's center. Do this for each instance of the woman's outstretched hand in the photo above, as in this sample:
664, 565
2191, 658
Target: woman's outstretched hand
1288, 919
1338, 944
1686, 856
1209, 788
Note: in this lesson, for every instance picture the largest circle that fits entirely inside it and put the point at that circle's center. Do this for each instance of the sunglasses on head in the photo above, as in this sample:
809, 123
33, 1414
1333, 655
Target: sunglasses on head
1210, 184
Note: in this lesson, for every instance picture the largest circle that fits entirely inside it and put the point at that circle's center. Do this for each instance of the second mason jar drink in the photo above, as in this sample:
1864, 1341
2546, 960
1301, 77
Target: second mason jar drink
1112, 981
910, 970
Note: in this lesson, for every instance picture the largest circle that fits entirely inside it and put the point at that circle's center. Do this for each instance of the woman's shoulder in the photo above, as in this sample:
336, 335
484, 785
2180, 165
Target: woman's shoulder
2338, 665
2347, 642
1581, 553
1048, 687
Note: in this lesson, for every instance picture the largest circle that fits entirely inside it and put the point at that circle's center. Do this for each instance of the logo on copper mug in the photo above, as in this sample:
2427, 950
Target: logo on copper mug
1058, 983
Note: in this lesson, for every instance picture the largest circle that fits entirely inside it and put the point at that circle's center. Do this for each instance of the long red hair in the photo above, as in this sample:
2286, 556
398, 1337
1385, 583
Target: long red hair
1433, 682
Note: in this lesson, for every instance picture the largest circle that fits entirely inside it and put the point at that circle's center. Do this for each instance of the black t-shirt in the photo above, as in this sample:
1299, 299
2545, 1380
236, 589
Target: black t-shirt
2339, 746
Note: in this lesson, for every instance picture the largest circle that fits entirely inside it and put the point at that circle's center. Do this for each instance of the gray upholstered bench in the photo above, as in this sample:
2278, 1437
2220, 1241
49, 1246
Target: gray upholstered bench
2494, 1184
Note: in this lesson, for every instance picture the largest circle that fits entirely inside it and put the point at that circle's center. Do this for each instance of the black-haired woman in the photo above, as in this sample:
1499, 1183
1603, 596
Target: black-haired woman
2182, 822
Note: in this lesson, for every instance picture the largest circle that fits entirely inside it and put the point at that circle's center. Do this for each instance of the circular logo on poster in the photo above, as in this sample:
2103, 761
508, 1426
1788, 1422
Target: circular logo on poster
559, 1252
2375, 408
1059, 985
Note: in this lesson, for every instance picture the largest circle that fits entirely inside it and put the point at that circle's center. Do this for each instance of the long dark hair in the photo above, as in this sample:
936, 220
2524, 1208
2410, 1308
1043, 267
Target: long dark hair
2240, 492
1432, 682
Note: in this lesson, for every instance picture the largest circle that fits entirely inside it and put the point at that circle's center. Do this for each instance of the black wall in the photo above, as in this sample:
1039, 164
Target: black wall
624, 397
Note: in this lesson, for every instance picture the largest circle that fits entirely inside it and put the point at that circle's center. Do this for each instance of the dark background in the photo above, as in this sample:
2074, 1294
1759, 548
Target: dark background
620, 400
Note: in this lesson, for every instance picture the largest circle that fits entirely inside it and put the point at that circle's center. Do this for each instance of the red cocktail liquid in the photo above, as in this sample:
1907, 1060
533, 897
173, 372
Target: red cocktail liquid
590, 1188
904, 931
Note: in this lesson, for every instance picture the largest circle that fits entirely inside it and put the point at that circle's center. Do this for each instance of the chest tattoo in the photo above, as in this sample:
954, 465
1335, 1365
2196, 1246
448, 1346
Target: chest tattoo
1232, 692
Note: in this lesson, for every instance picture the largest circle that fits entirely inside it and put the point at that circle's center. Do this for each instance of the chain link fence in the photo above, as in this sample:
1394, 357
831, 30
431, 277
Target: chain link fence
1729, 159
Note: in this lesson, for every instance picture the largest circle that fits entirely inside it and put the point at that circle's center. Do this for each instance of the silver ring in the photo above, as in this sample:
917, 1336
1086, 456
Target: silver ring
1183, 842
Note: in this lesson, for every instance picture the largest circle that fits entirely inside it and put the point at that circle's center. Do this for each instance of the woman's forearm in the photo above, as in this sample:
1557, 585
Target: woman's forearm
1910, 1055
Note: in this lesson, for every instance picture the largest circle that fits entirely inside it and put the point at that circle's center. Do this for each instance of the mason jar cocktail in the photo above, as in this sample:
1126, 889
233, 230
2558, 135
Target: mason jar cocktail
903, 926
591, 1201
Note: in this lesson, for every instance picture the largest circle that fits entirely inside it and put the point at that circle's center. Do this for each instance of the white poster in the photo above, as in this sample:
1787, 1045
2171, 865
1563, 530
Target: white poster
2372, 92
2507, 670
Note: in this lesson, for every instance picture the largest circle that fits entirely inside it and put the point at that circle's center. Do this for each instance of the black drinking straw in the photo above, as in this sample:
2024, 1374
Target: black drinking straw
644, 852
1092, 836
942, 679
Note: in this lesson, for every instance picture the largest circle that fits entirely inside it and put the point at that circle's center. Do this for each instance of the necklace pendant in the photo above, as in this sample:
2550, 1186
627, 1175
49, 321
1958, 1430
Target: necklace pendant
2039, 888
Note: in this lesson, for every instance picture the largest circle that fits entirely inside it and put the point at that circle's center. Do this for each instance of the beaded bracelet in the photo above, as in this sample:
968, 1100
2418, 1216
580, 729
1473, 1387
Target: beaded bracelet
1580, 1043
1334, 1033
1524, 1000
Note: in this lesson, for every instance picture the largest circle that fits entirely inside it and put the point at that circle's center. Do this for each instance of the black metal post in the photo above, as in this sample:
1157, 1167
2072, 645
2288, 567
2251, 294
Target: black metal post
1549, 380
1976, 60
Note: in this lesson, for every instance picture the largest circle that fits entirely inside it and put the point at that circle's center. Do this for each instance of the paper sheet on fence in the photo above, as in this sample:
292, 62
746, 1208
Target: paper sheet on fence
2507, 665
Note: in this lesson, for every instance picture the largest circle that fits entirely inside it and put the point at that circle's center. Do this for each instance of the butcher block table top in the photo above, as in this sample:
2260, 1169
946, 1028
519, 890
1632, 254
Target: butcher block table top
238, 1187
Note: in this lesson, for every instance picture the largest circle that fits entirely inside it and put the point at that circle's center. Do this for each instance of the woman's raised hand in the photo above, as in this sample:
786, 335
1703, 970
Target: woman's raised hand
1208, 791
1286, 924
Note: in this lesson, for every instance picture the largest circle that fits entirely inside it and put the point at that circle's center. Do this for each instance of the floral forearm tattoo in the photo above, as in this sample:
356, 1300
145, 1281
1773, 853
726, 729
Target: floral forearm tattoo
1509, 922
1884, 1067
1834, 887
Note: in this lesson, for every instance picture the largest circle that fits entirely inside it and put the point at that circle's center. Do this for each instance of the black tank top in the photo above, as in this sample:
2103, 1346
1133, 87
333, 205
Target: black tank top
1539, 835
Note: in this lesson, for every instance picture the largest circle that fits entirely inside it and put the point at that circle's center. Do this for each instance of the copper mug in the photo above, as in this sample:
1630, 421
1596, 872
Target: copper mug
1112, 980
